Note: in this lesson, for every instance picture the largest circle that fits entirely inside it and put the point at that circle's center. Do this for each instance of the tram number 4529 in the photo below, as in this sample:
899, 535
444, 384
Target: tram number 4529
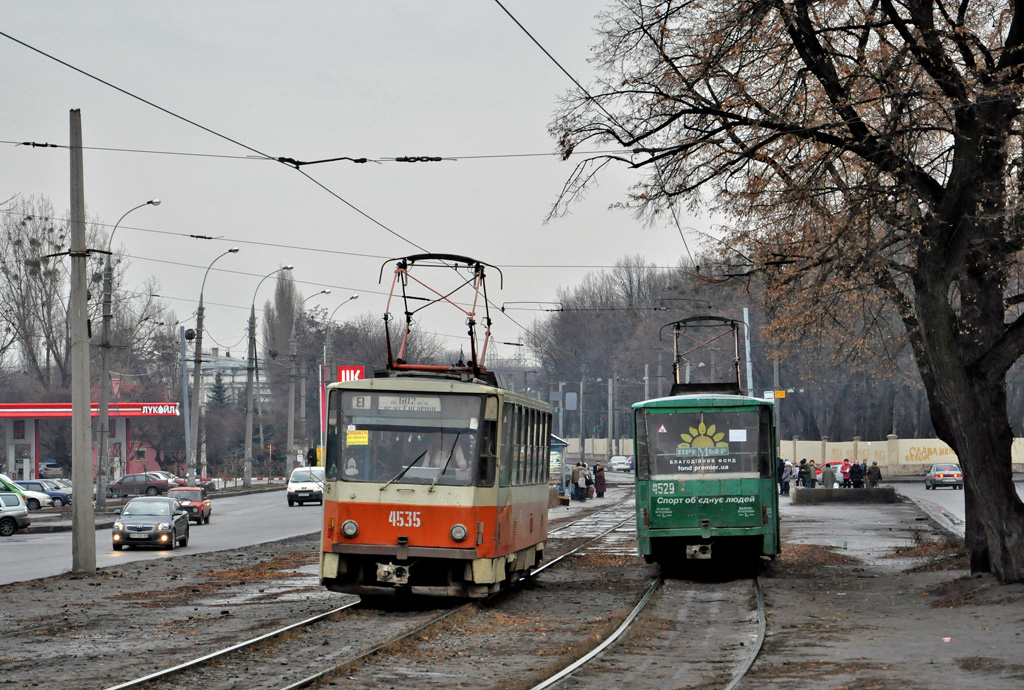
404, 518
663, 488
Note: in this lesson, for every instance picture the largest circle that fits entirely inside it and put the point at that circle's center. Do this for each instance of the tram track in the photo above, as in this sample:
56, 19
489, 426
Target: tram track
241, 653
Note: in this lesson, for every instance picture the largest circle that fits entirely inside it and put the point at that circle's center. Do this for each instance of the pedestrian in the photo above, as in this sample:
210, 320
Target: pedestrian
828, 476
844, 471
787, 477
874, 475
600, 485
812, 474
574, 482
779, 469
864, 468
856, 476
584, 481
801, 475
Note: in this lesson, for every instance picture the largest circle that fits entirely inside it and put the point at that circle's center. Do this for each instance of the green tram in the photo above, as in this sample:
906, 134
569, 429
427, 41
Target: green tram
706, 484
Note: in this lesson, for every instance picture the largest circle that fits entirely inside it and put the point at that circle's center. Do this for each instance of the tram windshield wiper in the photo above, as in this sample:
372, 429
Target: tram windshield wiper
446, 462
402, 473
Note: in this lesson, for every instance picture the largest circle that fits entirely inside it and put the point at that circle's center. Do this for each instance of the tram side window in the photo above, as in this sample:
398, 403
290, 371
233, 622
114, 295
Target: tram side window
764, 443
331, 461
531, 474
507, 445
520, 446
545, 454
642, 451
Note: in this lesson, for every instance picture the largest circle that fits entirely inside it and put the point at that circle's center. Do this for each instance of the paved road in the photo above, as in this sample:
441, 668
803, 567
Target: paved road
945, 505
237, 521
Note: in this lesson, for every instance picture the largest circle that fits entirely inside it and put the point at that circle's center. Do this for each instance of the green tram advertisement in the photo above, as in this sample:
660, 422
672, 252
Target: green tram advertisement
706, 484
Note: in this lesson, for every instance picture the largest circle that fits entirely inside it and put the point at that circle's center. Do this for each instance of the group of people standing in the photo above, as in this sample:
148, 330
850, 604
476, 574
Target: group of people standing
847, 475
584, 483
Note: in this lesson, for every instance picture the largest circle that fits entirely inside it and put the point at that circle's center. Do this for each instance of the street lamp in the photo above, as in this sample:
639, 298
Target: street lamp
247, 472
101, 467
197, 379
293, 354
328, 349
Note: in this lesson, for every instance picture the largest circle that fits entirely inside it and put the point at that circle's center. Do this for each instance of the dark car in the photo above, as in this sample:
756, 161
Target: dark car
148, 484
946, 474
194, 500
60, 495
151, 521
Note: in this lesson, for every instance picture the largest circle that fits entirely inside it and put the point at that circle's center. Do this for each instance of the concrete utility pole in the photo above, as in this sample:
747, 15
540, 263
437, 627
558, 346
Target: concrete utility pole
83, 524
583, 447
184, 389
101, 463
611, 417
250, 371
293, 356
197, 377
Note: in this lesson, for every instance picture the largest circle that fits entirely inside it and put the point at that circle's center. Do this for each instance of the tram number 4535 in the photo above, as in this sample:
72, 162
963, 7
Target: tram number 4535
404, 518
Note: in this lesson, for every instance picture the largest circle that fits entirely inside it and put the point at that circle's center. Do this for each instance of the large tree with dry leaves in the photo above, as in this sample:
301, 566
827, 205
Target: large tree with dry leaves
869, 155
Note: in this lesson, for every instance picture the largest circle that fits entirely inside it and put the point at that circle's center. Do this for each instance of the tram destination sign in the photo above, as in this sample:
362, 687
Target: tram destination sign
409, 403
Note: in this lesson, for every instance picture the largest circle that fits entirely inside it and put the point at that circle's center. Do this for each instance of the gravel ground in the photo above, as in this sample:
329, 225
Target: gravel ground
856, 618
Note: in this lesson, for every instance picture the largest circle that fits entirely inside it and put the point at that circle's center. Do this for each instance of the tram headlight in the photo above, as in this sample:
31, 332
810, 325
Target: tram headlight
350, 528
458, 532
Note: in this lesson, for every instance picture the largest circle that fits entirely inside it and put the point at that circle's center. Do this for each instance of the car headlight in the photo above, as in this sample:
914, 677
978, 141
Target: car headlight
164, 526
119, 526
458, 532
350, 528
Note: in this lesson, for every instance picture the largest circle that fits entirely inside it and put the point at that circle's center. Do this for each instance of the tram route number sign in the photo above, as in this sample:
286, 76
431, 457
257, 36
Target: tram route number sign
404, 518
409, 403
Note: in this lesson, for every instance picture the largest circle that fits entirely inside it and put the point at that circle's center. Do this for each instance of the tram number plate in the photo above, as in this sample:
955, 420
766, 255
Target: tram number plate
664, 488
404, 518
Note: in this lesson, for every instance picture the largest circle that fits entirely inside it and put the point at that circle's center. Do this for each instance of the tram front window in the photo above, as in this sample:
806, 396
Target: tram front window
404, 438
706, 441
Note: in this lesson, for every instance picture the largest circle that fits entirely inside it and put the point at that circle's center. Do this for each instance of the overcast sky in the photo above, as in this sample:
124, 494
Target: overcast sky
308, 81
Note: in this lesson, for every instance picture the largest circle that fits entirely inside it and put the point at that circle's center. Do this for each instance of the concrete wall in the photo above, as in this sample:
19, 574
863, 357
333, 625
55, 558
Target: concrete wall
896, 456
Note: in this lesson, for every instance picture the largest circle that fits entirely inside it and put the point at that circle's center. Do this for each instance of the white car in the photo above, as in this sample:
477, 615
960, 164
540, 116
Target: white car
619, 463
306, 485
33, 499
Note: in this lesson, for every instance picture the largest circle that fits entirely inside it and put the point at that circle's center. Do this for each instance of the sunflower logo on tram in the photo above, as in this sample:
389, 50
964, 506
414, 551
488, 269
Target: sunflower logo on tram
702, 440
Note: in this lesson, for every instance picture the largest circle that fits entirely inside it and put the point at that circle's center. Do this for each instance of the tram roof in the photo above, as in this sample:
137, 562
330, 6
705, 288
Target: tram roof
703, 400
432, 384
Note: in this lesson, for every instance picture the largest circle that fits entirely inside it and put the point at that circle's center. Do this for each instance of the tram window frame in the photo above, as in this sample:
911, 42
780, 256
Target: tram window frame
531, 452
546, 448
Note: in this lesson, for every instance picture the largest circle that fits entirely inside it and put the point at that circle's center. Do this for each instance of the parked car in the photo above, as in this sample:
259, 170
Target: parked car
49, 469
60, 496
194, 500
306, 485
151, 521
619, 463
33, 499
172, 480
148, 483
13, 513
946, 474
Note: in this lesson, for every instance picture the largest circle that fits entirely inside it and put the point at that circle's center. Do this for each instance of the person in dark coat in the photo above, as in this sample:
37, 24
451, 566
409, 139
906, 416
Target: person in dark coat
600, 486
874, 475
574, 479
856, 476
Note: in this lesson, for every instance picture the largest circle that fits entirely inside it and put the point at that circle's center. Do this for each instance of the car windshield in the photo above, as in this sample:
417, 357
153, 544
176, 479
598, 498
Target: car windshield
147, 508
404, 437
311, 474
945, 468
188, 495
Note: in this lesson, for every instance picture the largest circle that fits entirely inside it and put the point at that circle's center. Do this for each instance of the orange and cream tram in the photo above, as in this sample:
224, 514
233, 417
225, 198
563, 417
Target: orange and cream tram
436, 480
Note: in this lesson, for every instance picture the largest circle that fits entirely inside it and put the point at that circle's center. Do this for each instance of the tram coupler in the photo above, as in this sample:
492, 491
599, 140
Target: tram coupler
698, 551
393, 574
